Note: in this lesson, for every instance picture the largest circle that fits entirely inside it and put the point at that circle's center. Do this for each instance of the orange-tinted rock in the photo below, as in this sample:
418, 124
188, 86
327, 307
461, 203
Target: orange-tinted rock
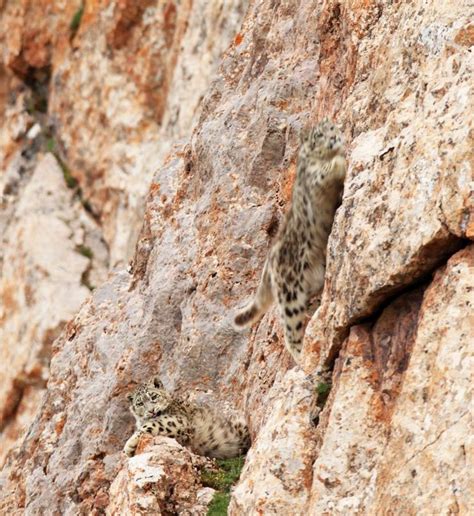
130, 85
397, 78
401, 447
163, 479
409, 196
44, 281
425, 465
279, 464
62, 90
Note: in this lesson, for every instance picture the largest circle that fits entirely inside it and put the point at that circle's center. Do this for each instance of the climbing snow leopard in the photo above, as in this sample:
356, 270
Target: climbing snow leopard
159, 413
294, 270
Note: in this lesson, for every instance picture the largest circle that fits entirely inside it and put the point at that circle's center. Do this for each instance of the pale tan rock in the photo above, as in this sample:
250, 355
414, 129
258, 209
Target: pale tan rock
104, 112
370, 454
120, 88
410, 190
41, 288
127, 89
405, 446
163, 479
353, 428
278, 467
426, 466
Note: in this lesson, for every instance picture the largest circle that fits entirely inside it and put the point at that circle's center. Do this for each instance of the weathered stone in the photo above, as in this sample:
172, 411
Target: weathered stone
161, 479
279, 464
426, 465
43, 284
403, 449
33, 35
351, 435
369, 454
129, 86
107, 89
409, 196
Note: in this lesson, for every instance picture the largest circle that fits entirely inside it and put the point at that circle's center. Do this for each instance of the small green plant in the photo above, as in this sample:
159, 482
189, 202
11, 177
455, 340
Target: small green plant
227, 474
50, 145
323, 389
30, 106
36, 103
219, 505
85, 251
70, 180
222, 479
41, 103
76, 21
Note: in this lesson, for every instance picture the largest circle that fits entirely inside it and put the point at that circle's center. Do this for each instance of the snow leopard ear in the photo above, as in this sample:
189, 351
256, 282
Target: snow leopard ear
130, 397
157, 382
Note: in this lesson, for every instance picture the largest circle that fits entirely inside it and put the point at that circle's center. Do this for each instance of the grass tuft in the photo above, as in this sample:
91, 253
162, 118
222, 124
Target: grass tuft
222, 479
76, 20
71, 181
225, 476
85, 251
219, 505
323, 389
50, 145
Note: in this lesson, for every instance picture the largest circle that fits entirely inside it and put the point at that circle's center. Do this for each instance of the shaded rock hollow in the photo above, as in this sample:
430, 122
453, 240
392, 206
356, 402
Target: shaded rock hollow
394, 324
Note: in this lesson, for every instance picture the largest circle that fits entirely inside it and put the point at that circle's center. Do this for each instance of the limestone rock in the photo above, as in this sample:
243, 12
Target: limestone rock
432, 419
383, 455
409, 194
279, 464
128, 86
369, 454
107, 89
43, 284
161, 479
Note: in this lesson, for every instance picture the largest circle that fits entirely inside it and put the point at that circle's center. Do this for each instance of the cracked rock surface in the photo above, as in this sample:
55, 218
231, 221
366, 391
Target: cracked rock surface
389, 345
91, 98
45, 279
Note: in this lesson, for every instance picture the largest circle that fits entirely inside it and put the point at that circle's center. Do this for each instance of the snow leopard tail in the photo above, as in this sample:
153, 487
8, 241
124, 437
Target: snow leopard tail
260, 304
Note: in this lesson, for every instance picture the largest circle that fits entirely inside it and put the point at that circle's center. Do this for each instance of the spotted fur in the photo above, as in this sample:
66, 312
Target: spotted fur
294, 269
159, 413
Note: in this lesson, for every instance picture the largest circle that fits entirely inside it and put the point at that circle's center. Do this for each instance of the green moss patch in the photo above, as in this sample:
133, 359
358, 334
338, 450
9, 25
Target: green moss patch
85, 251
219, 505
76, 20
222, 479
323, 389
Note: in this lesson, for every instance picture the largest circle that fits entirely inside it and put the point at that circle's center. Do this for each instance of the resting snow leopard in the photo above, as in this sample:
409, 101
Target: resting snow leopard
159, 413
294, 270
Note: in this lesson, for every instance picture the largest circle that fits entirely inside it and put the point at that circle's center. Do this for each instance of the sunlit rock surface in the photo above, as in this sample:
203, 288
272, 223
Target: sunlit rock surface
161, 479
393, 330
107, 89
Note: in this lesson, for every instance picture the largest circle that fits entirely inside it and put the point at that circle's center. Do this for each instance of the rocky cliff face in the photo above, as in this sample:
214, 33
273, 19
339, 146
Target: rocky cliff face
393, 329
82, 134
